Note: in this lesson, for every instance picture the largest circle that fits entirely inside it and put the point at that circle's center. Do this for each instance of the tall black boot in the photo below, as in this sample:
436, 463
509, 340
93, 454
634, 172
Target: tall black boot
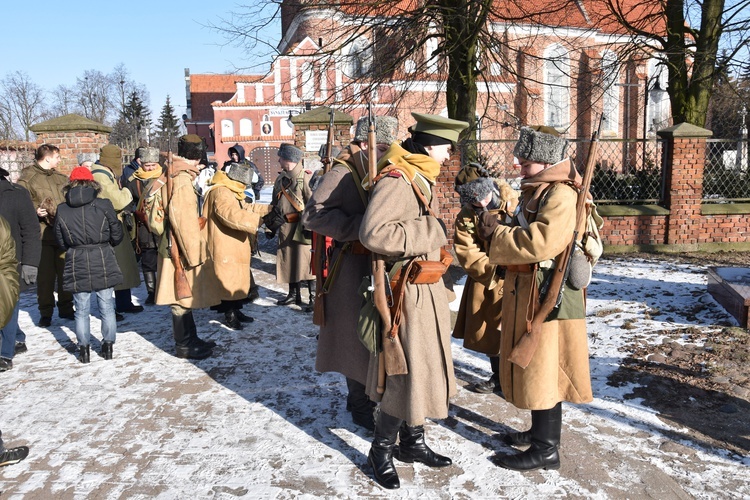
84, 353
360, 406
545, 440
183, 327
298, 294
380, 457
149, 277
412, 448
310, 295
293, 291
107, 349
193, 335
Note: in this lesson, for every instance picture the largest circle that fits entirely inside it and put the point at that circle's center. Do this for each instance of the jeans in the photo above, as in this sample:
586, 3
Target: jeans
106, 303
9, 334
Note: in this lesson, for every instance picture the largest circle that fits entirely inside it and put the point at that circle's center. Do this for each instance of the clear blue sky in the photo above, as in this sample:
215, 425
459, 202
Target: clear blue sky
55, 42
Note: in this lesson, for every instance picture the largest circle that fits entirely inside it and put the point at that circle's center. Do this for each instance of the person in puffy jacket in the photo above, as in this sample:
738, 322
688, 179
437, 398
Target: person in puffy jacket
88, 229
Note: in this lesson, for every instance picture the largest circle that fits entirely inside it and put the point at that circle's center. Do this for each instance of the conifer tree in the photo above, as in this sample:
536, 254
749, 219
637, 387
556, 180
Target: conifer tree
167, 128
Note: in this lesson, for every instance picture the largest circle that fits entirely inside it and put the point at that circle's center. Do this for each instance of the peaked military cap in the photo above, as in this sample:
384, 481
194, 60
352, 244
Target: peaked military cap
446, 129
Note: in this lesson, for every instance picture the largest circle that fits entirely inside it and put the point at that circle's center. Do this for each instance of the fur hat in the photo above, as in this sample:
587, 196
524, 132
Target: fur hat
82, 158
81, 174
191, 146
335, 151
239, 173
386, 129
111, 156
540, 144
147, 154
476, 190
289, 152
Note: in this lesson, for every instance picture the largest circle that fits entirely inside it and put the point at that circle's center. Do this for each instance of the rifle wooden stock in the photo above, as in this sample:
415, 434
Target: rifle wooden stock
526, 347
319, 248
181, 285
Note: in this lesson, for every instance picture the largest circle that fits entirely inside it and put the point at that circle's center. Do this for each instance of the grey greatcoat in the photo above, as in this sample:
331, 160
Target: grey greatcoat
336, 209
292, 258
394, 226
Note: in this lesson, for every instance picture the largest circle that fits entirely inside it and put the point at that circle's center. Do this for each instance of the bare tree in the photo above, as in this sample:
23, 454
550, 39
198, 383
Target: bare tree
63, 100
24, 99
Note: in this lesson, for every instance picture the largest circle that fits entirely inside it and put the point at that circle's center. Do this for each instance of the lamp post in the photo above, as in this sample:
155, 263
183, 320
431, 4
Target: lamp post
656, 93
741, 159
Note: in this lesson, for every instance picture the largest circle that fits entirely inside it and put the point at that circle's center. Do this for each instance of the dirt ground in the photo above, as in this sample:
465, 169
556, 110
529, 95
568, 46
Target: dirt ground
695, 366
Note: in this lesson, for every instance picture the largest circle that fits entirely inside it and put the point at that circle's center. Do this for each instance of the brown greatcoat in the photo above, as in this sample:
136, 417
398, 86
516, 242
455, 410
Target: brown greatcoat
559, 369
292, 258
192, 240
336, 209
395, 226
230, 222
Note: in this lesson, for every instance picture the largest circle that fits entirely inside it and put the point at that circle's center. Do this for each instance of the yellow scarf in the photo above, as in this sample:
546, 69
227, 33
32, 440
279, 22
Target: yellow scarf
220, 178
410, 164
147, 174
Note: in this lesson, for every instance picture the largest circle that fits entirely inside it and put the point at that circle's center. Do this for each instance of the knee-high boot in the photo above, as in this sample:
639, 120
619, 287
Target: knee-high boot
359, 404
290, 297
545, 440
149, 277
412, 448
310, 296
380, 457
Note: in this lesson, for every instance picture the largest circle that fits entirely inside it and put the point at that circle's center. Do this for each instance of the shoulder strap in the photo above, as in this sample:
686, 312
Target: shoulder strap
105, 172
290, 197
357, 180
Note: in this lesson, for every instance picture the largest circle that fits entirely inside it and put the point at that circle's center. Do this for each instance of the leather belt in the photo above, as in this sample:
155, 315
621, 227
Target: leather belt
521, 268
355, 247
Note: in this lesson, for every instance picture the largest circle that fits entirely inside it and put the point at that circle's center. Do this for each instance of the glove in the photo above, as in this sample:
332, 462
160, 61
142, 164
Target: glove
28, 274
273, 220
486, 225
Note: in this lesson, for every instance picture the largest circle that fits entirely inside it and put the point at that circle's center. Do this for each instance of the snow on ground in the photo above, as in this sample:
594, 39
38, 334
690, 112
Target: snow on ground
256, 420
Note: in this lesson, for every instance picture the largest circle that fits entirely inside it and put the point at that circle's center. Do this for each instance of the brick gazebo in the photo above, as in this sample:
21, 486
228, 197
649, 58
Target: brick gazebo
73, 134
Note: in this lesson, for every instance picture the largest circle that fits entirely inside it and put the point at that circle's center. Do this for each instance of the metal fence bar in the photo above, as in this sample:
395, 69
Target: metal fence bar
726, 178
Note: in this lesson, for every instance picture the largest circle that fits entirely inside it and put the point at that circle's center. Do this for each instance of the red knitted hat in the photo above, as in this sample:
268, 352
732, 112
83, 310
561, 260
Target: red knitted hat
81, 174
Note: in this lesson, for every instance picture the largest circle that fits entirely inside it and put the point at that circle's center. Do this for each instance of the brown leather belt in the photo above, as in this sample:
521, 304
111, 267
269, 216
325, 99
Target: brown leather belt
355, 247
522, 268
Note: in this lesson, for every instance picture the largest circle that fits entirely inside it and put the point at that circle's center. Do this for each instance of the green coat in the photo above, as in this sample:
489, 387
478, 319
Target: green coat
8, 273
43, 184
122, 200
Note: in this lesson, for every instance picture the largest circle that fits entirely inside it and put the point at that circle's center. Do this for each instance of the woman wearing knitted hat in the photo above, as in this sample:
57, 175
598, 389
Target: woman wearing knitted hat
87, 229
539, 233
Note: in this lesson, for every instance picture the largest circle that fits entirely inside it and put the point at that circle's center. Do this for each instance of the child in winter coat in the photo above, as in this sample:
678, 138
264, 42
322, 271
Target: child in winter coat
87, 228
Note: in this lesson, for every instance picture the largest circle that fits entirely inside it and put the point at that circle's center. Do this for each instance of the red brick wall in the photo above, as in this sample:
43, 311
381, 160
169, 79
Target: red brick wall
72, 143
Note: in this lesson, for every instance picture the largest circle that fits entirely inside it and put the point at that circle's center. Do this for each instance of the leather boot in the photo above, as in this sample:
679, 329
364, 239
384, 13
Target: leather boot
360, 406
517, 438
107, 350
194, 340
244, 318
231, 320
380, 457
187, 343
84, 354
298, 294
311, 296
149, 277
293, 290
412, 448
545, 440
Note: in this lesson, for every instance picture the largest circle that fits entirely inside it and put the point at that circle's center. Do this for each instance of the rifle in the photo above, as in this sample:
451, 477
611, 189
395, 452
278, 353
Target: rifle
181, 286
319, 246
391, 359
524, 350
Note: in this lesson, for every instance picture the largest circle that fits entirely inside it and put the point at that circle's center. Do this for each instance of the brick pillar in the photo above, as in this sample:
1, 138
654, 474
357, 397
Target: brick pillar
448, 201
684, 162
314, 123
73, 134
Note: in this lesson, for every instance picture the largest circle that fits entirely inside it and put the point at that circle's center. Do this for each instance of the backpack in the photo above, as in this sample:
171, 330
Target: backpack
150, 210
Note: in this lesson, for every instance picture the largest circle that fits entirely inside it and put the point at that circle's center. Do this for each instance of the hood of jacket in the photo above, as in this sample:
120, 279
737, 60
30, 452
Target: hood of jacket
80, 195
240, 152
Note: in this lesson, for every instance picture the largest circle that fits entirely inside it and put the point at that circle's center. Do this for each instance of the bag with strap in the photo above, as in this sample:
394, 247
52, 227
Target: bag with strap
150, 210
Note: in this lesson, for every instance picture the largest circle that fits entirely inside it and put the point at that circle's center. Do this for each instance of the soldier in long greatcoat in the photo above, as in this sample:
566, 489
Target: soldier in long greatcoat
336, 209
540, 231
291, 192
399, 225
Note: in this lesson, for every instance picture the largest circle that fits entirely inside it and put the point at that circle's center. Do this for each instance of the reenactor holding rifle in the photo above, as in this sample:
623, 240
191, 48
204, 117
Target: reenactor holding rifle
399, 227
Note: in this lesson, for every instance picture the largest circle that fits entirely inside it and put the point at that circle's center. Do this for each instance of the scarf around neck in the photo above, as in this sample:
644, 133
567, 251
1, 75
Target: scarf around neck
220, 178
147, 174
410, 164
533, 187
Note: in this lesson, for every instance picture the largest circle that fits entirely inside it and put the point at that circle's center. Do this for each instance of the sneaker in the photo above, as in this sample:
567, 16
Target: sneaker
5, 364
13, 455
21, 347
244, 318
488, 386
45, 321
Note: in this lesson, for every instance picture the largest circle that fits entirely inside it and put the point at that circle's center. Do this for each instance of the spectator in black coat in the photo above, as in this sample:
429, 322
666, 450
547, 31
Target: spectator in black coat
87, 228
237, 155
18, 209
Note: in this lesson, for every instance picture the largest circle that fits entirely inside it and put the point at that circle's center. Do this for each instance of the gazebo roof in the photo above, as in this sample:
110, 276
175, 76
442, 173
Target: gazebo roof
321, 115
70, 123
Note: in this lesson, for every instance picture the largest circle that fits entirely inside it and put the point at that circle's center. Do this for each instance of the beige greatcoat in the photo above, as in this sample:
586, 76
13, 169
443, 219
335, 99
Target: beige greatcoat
229, 223
336, 209
559, 369
121, 199
292, 258
394, 225
182, 215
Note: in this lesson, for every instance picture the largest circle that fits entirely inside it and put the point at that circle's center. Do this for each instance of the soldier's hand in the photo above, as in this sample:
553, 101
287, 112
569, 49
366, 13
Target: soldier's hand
28, 274
486, 225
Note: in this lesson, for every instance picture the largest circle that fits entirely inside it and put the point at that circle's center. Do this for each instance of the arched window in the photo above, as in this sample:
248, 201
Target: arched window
246, 126
611, 95
557, 87
227, 128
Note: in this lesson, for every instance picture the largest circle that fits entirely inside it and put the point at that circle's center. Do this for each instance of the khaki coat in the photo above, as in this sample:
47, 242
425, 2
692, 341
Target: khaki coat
43, 184
336, 210
122, 200
394, 225
229, 223
559, 369
9, 282
292, 258
478, 319
182, 214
